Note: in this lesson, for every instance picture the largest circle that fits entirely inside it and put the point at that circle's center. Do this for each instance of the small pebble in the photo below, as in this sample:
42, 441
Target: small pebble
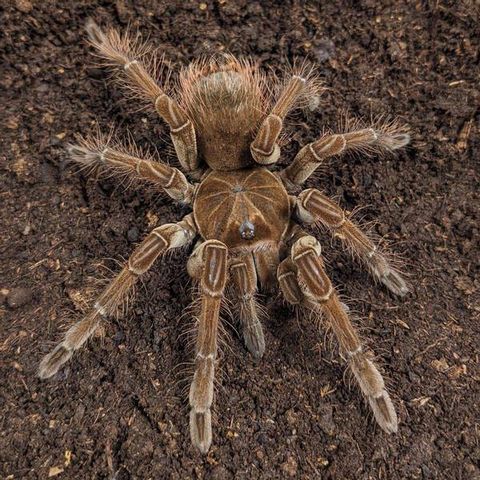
132, 234
290, 466
12, 123
326, 420
3, 295
96, 73
324, 50
220, 473
24, 6
54, 471
18, 297
17, 366
119, 337
291, 417
79, 413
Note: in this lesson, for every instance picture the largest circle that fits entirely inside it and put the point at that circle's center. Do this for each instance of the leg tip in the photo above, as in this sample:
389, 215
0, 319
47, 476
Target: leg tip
257, 353
400, 140
395, 283
83, 155
94, 32
393, 141
373, 387
255, 341
384, 412
51, 363
201, 430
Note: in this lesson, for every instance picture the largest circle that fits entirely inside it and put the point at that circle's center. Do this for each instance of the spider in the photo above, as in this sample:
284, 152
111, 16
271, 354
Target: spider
225, 125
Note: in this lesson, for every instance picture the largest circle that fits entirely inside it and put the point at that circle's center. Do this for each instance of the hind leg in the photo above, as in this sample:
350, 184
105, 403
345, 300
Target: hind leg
314, 207
128, 55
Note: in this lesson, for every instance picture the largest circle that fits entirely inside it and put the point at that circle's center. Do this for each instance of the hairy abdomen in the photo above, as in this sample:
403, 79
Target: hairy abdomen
226, 104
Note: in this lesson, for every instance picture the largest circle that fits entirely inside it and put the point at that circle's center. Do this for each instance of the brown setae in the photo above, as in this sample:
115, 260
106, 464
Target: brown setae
225, 124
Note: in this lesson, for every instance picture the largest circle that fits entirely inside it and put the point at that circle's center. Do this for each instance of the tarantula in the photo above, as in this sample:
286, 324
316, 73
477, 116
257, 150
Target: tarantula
225, 127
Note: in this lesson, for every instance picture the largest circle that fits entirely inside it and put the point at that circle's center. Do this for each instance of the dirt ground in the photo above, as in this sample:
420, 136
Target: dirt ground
119, 409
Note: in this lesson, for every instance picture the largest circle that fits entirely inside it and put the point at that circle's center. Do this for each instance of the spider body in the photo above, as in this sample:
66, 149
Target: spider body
225, 102
225, 127
246, 209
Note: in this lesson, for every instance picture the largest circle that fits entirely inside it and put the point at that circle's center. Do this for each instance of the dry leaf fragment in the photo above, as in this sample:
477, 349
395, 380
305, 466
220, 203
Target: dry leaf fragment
440, 365
54, 471
68, 457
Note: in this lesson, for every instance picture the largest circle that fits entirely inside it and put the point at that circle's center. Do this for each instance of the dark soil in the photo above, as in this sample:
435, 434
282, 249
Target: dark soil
118, 409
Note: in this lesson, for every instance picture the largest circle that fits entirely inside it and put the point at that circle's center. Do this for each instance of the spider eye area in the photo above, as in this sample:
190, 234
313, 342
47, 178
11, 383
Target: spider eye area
247, 230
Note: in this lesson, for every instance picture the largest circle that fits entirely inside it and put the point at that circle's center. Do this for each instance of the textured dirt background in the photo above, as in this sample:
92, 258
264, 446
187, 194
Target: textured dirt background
119, 409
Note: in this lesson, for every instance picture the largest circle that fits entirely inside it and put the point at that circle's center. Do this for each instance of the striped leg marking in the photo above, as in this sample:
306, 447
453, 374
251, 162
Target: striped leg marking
381, 139
314, 207
126, 53
303, 281
112, 299
209, 266
264, 148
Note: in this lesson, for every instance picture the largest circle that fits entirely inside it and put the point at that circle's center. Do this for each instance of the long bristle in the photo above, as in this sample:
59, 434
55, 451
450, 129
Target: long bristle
87, 152
115, 48
140, 65
391, 133
313, 87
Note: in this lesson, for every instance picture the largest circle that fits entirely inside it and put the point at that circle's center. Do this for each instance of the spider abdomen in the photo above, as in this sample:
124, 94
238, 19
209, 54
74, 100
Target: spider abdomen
245, 209
226, 101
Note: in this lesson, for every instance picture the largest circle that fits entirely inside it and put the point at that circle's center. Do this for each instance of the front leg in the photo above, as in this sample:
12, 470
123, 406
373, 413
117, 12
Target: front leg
314, 207
303, 281
101, 153
160, 240
208, 265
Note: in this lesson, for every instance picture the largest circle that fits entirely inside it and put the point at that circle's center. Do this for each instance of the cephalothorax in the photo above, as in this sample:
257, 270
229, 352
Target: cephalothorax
225, 128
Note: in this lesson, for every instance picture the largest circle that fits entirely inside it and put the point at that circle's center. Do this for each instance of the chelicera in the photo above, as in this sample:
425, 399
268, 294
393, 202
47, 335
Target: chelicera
245, 226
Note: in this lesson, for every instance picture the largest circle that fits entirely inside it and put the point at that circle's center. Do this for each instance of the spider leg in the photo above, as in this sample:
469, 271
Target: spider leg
303, 281
314, 207
385, 138
244, 277
161, 239
264, 148
127, 53
98, 152
208, 265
